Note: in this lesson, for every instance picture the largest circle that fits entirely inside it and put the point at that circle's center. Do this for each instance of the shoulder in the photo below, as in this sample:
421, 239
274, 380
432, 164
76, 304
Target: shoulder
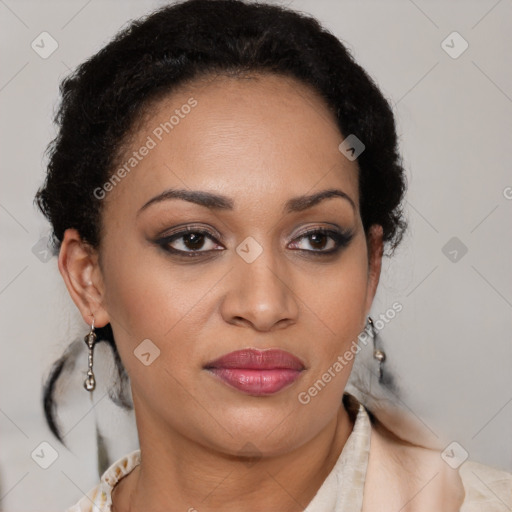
94, 501
99, 498
421, 477
487, 488
408, 477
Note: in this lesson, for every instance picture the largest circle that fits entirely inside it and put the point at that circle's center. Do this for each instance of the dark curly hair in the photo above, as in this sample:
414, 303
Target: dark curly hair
106, 95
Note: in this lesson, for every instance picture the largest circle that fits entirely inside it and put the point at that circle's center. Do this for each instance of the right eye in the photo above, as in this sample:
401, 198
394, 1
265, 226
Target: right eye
190, 241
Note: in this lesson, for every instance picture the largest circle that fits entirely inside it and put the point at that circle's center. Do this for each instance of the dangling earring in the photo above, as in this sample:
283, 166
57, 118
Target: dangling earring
378, 354
90, 341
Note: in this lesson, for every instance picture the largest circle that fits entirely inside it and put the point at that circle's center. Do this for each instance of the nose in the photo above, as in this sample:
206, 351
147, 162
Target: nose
260, 294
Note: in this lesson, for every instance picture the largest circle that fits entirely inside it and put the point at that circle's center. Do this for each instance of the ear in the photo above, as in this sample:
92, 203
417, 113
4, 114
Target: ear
375, 251
79, 267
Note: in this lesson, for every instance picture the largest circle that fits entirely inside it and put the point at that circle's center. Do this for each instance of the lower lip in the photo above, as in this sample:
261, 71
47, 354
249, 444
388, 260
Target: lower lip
257, 382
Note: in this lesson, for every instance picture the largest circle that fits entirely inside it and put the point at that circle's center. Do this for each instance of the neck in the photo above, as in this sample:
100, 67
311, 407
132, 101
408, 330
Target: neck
191, 477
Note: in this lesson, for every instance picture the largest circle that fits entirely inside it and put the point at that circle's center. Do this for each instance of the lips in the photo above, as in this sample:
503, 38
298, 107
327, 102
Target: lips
257, 372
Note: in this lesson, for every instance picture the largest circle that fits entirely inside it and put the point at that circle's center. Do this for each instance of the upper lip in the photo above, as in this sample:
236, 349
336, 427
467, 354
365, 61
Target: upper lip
254, 359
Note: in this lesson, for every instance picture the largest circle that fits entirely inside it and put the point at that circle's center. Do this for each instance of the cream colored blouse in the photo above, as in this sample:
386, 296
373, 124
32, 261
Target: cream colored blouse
486, 489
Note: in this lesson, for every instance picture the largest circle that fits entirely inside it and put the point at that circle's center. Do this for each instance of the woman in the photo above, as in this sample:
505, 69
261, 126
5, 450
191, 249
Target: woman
222, 190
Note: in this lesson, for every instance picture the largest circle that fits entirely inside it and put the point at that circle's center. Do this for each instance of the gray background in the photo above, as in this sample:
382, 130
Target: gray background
450, 347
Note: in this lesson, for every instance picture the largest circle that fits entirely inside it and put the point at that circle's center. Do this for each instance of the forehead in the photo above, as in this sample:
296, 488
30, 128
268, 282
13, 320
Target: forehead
254, 137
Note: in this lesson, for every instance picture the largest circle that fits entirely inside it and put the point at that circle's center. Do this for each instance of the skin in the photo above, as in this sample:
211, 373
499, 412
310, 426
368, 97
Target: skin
260, 141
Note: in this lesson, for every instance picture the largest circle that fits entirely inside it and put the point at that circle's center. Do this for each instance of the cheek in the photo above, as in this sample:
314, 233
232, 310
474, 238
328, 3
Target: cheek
339, 297
148, 297
338, 294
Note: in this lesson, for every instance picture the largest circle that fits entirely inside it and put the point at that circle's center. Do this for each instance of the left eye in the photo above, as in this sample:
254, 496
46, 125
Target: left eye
319, 240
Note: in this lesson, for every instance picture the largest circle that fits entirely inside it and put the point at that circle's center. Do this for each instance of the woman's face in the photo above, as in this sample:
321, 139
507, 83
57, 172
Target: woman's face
252, 279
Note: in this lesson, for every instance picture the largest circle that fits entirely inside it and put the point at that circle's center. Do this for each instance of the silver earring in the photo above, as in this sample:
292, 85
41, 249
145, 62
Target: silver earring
90, 341
378, 354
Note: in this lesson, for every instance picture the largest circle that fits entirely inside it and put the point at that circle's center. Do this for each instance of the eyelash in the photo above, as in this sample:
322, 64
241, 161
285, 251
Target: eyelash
341, 239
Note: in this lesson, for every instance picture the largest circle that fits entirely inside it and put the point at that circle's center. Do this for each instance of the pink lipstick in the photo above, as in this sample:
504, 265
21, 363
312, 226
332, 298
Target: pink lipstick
257, 372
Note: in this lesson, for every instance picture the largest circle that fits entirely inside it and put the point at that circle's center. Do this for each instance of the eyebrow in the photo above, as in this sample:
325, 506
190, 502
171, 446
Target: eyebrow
220, 202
